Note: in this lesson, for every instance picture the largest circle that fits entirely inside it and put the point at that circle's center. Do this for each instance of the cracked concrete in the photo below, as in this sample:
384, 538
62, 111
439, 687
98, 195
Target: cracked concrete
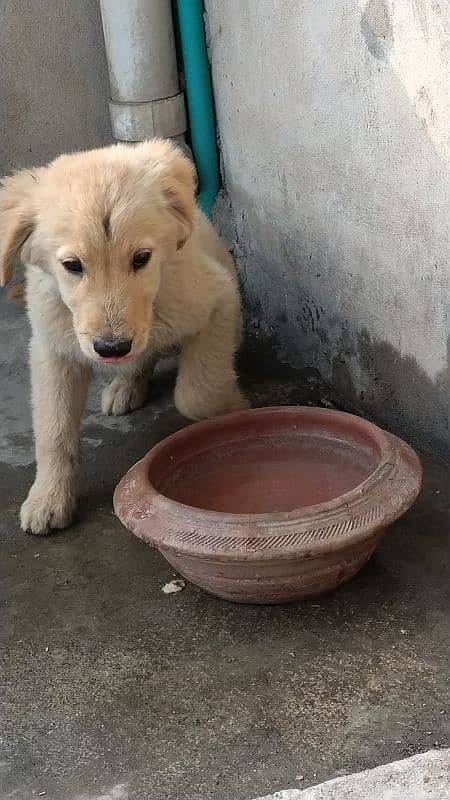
112, 689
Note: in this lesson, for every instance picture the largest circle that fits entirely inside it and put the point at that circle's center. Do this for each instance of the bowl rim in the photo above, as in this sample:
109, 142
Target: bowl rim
398, 466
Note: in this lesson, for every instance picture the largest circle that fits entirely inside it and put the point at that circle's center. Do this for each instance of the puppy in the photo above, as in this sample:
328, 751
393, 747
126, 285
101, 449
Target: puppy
121, 265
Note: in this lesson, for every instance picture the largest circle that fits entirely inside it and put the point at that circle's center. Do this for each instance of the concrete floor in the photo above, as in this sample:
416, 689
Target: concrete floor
114, 690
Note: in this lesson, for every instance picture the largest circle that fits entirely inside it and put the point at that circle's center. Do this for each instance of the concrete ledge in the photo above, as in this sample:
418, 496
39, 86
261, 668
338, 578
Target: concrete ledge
422, 777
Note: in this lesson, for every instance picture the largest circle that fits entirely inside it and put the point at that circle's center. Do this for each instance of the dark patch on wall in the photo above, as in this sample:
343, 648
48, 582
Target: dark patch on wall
320, 359
396, 393
269, 379
376, 27
267, 371
401, 394
298, 338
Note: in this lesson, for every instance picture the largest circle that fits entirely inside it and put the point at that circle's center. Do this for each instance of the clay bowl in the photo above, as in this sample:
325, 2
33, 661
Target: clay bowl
270, 505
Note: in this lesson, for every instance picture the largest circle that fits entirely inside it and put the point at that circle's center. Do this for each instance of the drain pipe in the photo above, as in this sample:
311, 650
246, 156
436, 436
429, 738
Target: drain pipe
140, 49
199, 99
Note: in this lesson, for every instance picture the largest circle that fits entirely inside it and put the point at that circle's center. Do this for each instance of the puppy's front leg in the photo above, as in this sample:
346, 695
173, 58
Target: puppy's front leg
129, 389
59, 388
207, 384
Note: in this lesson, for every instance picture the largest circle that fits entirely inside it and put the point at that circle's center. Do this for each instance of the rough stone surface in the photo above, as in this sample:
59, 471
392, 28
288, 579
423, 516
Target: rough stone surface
333, 122
53, 81
422, 777
113, 690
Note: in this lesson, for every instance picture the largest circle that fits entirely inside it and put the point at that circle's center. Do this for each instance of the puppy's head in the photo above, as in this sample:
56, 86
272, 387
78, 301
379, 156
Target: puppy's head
101, 225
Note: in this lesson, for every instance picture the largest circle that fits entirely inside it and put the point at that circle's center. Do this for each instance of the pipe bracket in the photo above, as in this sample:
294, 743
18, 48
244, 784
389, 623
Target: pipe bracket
133, 122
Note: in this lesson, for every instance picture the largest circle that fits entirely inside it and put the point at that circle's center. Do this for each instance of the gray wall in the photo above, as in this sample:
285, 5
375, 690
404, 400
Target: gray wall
53, 80
333, 121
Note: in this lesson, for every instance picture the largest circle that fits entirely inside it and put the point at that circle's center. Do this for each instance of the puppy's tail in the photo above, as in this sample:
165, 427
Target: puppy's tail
18, 293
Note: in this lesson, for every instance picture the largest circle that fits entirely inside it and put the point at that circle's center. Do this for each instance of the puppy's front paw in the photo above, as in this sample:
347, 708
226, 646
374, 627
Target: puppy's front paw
201, 405
46, 509
122, 396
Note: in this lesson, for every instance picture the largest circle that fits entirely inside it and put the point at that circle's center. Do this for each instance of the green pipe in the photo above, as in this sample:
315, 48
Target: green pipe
199, 99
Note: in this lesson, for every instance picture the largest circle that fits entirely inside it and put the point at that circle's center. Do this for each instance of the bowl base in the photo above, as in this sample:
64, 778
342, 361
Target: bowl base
274, 582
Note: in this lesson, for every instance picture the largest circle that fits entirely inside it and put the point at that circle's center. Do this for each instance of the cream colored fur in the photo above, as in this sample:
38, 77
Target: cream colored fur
101, 207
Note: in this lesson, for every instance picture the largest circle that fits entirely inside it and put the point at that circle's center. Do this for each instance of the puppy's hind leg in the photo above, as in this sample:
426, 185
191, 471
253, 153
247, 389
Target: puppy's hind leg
129, 389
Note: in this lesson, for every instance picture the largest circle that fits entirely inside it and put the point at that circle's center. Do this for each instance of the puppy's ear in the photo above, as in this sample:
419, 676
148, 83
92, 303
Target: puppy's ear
178, 180
17, 219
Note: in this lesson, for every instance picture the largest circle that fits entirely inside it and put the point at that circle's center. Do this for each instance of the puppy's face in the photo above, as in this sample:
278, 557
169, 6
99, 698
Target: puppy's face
102, 225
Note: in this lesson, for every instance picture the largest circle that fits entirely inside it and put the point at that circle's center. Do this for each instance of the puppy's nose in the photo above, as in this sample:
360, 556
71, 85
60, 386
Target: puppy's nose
112, 347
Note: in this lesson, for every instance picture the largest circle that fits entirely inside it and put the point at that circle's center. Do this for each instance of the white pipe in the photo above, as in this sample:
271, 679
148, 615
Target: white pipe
142, 64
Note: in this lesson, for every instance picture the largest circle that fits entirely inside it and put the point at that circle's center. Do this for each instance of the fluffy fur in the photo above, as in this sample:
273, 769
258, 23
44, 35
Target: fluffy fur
102, 207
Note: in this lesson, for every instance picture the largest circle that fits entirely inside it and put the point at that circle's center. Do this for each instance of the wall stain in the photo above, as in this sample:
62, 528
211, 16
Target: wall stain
298, 339
376, 27
368, 377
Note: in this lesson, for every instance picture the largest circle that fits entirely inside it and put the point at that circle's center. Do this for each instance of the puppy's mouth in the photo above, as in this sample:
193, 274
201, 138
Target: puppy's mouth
115, 359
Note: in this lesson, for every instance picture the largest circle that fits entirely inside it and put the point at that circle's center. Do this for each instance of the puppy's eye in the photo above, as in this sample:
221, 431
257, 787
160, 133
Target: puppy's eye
140, 259
73, 265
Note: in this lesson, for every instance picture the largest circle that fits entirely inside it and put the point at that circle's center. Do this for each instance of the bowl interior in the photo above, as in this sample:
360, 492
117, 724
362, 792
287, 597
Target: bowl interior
268, 461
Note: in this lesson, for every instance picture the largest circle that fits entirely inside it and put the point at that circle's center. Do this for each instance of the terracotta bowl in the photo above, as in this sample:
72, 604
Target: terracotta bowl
270, 505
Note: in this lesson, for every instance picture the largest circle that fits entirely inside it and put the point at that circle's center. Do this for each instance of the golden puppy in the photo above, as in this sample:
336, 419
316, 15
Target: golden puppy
121, 264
